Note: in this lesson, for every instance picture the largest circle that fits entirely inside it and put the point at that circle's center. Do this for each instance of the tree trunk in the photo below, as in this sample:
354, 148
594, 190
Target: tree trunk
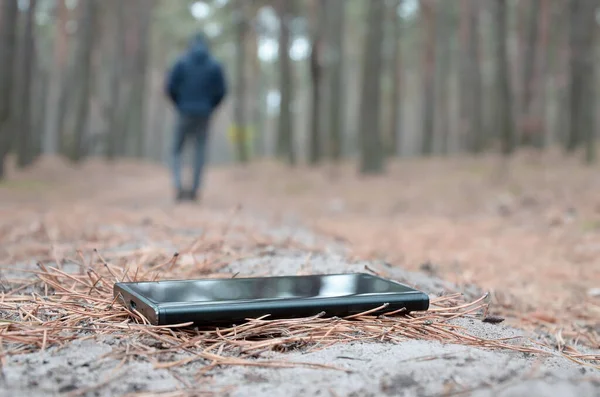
126, 138
395, 123
51, 143
8, 40
561, 71
335, 53
583, 79
541, 77
372, 155
116, 32
443, 73
25, 143
39, 108
504, 114
428, 110
318, 23
285, 141
582, 32
259, 83
137, 121
241, 123
478, 135
530, 54
465, 78
471, 110
82, 78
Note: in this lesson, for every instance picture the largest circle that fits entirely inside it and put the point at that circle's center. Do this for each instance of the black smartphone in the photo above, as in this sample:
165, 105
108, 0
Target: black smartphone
234, 300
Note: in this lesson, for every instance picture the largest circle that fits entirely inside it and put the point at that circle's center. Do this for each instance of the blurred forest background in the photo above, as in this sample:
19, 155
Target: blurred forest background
310, 81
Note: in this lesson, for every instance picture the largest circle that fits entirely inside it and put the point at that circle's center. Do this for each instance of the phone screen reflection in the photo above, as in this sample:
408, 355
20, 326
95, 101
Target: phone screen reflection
223, 290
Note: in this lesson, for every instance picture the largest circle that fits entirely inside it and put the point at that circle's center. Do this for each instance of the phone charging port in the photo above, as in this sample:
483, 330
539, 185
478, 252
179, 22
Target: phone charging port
132, 305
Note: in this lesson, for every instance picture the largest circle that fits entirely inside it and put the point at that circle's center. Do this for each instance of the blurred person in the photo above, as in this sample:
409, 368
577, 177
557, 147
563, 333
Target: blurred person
196, 86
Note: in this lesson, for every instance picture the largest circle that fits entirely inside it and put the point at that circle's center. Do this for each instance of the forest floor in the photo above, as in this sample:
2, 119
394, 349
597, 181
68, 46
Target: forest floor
528, 233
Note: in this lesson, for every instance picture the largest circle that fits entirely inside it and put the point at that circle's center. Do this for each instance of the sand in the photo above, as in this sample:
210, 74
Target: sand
409, 368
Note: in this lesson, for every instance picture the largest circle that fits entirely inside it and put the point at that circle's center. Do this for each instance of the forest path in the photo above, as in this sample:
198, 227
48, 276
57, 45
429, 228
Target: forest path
451, 222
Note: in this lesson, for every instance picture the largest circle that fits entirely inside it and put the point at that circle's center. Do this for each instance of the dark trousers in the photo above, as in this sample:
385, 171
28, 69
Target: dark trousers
196, 130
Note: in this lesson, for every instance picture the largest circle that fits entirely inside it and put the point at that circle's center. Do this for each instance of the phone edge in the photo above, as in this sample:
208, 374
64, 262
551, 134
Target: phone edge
148, 309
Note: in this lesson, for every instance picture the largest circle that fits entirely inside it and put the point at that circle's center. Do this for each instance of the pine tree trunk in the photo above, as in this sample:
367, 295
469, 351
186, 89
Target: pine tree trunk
137, 121
588, 66
443, 75
372, 154
8, 43
477, 138
318, 23
504, 115
257, 91
395, 122
82, 79
285, 141
428, 110
51, 143
582, 25
116, 32
561, 72
336, 70
241, 123
39, 108
471, 108
541, 77
529, 59
25, 142
464, 76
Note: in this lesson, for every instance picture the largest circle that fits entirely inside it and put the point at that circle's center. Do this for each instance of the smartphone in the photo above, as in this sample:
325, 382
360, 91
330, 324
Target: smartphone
235, 300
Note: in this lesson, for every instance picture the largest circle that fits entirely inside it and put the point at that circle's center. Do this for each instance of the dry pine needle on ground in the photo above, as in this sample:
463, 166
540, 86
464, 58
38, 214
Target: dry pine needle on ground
68, 306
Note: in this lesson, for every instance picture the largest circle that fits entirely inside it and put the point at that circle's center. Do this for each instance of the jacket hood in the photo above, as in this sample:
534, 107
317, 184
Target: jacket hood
198, 49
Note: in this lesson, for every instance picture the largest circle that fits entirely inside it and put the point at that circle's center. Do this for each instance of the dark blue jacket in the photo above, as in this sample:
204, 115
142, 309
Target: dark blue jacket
196, 83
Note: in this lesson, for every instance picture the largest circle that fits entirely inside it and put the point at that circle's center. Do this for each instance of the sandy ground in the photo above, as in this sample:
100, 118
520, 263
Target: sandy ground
410, 368
116, 212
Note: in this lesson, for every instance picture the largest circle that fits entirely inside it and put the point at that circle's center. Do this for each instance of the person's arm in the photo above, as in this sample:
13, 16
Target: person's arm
172, 82
220, 86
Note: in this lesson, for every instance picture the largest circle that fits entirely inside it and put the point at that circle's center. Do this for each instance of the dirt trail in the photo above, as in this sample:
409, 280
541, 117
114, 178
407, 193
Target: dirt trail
441, 220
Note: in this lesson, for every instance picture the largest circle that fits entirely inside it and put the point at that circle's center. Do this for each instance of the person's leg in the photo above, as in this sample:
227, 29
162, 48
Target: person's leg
178, 143
201, 136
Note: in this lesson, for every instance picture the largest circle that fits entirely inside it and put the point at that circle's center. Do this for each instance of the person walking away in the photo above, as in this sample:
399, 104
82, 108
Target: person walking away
196, 86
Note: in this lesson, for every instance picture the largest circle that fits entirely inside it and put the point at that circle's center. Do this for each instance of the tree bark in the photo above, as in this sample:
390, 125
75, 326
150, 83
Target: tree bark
336, 15
561, 71
395, 122
530, 52
259, 83
285, 141
51, 143
541, 76
530, 55
25, 143
82, 78
39, 108
504, 114
8, 41
582, 32
443, 72
478, 135
471, 110
318, 23
428, 109
372, 154
116, 32
241, 123
137, 121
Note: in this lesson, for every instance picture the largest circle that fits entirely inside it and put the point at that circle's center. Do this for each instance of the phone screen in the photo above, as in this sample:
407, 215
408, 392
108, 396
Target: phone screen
226, 290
